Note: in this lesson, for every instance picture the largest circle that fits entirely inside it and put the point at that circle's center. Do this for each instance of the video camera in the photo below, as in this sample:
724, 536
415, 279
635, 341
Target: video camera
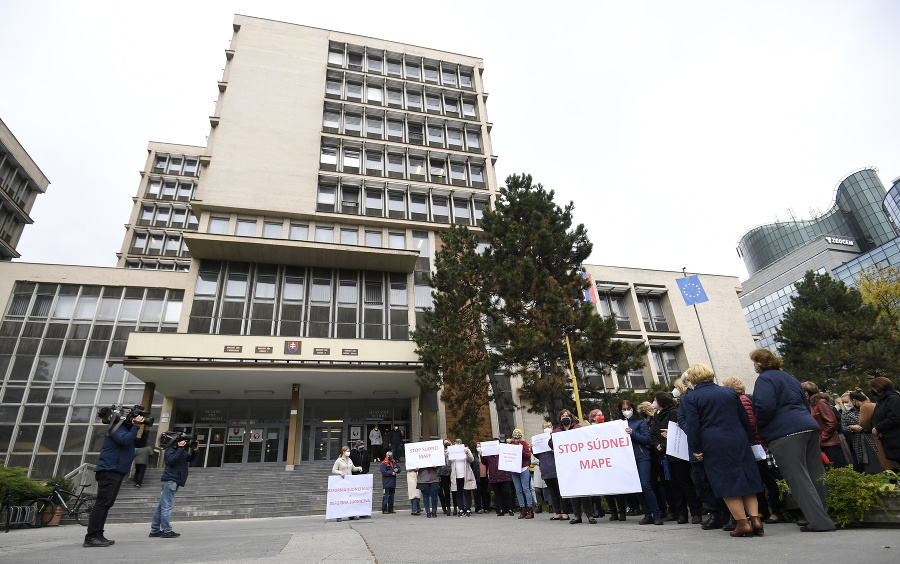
118, 414
171, 438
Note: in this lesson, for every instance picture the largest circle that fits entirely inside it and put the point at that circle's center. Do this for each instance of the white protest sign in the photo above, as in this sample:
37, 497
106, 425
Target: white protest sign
676, 442
456, 452
425, 454
490, 448
540, 443
595, 460
510, 458
350, 496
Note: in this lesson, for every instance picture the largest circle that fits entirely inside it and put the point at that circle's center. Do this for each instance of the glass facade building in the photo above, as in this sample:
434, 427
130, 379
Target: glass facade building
856, 214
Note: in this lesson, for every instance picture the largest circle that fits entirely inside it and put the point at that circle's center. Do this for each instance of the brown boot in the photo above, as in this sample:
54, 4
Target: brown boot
757, 525
522, 513
743, 529
529, 513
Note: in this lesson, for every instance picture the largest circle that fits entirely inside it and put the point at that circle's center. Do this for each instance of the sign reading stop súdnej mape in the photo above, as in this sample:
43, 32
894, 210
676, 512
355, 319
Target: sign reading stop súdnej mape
424, 454
595, 460
350, 496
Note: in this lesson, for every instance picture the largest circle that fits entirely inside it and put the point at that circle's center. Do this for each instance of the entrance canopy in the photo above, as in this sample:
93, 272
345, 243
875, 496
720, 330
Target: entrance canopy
240, 366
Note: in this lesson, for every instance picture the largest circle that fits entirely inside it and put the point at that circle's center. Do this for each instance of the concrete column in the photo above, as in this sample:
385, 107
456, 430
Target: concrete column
147, 399
164, 419
295, 432
415, 421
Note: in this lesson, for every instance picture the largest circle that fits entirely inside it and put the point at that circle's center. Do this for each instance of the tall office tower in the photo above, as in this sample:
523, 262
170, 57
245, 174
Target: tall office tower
20, 182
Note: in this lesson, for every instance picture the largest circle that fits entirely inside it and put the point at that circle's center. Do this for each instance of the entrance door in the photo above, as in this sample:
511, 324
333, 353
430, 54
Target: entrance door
264, 445
212, 441
327, 442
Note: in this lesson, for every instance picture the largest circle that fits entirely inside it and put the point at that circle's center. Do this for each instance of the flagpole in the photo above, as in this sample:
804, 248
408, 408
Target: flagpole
703, 334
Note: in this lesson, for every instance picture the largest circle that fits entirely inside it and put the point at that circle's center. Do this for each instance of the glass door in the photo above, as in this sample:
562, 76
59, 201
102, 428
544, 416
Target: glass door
264, 445
327, 442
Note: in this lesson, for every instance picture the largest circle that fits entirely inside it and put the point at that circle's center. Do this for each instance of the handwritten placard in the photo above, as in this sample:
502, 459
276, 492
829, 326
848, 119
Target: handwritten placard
510, 458
540, 443
456, 452
490, 448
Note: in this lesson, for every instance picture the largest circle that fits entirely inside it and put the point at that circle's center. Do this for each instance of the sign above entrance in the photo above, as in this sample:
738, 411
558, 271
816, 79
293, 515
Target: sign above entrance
350, 352
263, 350
321, 351
292, 347
233, 348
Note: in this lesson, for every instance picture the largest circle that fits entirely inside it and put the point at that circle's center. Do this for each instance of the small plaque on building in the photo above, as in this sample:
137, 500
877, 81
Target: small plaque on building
233, 348
263, 350
292, 347
321, 351
350, 352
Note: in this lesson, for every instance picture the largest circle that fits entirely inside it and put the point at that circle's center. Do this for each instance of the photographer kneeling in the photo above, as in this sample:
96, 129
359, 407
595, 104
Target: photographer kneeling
126, 432
177, 456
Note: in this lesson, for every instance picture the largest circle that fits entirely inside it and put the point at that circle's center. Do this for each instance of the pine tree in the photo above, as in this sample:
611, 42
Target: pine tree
831, 337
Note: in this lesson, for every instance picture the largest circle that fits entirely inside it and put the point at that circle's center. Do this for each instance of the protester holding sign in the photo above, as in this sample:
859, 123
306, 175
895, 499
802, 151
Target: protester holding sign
676, 472
427, 481
389, 471
344, 467
500, 483
719, 435
462, 481
567, 422
548, 474
640, 442
522, 480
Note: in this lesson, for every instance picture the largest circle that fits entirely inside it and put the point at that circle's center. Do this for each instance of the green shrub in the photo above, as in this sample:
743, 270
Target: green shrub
14, 479
851, 493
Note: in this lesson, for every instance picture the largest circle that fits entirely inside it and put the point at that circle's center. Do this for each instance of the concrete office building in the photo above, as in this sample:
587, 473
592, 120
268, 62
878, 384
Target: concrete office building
268, 283
20, 182
777, 255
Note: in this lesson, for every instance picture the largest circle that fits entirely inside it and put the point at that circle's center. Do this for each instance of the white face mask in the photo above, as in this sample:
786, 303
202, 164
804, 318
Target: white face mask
849, 406
676, 393
478, 449
547, 430
627, 414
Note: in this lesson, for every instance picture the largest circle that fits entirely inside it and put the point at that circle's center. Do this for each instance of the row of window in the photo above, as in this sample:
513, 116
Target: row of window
161, 215
613, 304
257, 299
322, 234
15, 182
378, 92
154, 264
398, 65
9, 223
459, 208
158, 244
359, 122
182, 165
170, 189
397, 162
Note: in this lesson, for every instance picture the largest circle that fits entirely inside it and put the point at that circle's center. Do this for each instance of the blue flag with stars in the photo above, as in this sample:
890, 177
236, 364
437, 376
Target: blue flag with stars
692, 290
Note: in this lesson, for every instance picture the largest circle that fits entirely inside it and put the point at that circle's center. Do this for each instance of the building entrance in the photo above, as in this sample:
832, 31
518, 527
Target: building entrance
330, 424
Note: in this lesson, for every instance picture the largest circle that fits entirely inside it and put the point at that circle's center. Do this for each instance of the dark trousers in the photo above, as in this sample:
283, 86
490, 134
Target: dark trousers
462, 497
376, 452
108, 484
835, 454
502, 496
714, 505
683, 493
444, 493
483, 495
388, 498
773, 504
429, 497
799, 459
139, 470
397, 449
553, 489
577, 504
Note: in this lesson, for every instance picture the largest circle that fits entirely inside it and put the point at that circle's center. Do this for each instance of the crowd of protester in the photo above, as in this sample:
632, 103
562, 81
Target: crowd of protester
740, 446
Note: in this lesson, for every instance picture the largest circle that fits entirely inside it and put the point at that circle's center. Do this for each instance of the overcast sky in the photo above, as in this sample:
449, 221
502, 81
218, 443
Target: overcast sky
673, 126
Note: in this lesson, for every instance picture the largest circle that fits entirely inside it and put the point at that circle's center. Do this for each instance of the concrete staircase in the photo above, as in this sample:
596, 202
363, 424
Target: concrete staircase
243, 492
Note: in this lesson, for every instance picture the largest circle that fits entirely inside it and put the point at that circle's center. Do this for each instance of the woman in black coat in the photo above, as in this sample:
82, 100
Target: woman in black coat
886, 418
719, 434
680, 489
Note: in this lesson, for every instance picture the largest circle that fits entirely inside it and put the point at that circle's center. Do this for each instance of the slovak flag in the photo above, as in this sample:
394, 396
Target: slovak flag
589, 294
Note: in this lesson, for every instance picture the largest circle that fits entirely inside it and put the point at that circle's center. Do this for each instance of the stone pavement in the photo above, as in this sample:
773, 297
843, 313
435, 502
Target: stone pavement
401, 538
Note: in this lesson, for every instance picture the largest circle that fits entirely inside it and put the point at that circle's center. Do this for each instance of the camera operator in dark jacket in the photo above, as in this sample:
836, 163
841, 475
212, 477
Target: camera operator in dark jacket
177, 458
113, 465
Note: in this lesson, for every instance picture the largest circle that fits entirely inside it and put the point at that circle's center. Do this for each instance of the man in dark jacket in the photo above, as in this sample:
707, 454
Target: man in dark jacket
396, 441
360, 457
113, 465
174, 476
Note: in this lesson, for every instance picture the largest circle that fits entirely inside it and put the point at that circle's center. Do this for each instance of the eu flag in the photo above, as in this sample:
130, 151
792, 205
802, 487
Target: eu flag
692, 290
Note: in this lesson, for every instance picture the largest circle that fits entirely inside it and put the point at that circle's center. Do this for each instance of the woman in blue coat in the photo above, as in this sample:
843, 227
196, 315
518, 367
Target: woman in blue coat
389, 471
640, 442
719, 434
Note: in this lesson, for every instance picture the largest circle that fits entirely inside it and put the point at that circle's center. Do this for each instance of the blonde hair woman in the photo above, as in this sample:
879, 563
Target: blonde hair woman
719, 435
343, 467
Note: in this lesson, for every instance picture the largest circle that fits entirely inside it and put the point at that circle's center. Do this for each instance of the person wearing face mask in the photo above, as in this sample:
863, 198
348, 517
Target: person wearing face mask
886, 418
413, 491
389, 471
500, 482
785, 424
428, 482
861, 441
829, 425
483, 493
595, 417
396, 440
522, 480
444, 473
547, 463
679, 486
344, 467
575, 504
462, 482
640, 441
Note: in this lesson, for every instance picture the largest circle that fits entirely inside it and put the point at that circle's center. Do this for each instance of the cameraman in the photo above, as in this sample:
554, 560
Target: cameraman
112, 467
174, 476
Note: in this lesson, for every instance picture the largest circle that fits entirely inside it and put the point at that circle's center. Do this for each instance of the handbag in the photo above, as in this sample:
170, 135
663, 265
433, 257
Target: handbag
444, 471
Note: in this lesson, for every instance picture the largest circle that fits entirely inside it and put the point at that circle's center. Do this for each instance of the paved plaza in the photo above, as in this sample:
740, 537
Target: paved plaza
401, 538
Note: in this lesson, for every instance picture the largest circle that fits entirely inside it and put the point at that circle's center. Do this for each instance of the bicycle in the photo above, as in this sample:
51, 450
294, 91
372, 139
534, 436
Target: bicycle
45, 508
